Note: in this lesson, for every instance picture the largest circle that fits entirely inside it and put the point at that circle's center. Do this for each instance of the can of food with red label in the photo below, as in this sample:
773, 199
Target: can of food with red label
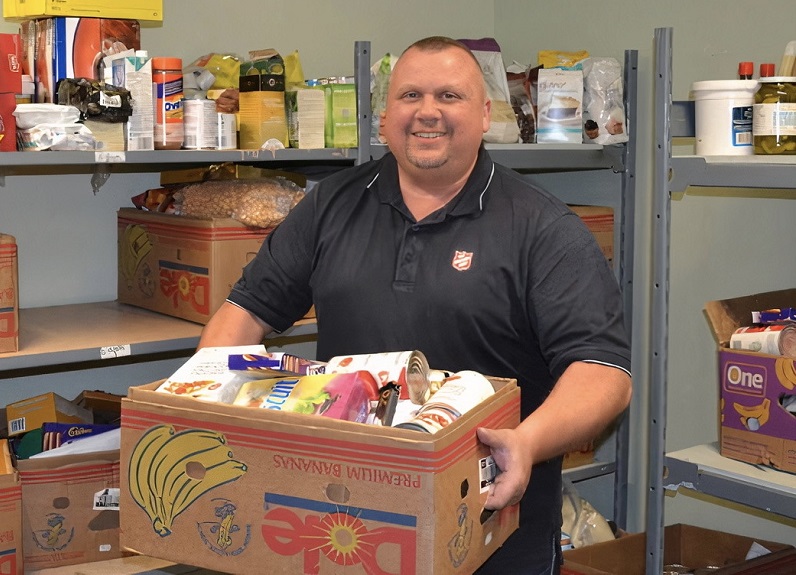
460, 393
409, 369
775, 339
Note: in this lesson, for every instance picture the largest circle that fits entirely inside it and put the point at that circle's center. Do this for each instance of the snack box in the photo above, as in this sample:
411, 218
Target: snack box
754, 425
243, 488
70, 509
139, 10
179, 265
31, 413
684, 545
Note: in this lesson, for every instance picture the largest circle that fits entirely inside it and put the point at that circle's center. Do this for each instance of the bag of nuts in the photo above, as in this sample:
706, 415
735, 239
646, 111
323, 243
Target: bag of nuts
262, 202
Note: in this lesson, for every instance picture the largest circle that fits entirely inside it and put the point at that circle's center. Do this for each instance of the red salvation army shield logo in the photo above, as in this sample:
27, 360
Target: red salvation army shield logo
462, 260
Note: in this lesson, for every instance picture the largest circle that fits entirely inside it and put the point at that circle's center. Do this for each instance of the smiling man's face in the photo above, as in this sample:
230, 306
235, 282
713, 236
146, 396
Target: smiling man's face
437, 112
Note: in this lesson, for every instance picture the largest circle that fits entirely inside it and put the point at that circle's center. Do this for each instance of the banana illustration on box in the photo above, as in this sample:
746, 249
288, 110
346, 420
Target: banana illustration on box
133, 248
754, 417
786, 373
168, 471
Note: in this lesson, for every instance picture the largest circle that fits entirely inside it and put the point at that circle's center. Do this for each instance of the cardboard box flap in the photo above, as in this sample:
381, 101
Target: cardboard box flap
725, 316
64, 461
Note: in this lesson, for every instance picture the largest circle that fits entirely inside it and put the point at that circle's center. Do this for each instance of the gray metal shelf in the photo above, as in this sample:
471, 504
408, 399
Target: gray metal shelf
698, 468
701, 468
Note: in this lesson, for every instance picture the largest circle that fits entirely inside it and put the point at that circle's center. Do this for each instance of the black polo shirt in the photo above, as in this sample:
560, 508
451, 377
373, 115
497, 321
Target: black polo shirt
504, 280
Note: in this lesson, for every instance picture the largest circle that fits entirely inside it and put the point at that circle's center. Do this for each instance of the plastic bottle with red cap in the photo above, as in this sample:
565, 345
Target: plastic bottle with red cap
746, 70
766, 70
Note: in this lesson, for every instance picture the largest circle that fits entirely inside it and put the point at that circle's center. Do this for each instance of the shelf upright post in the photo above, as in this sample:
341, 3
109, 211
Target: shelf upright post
362, 75
659, 323
628, 208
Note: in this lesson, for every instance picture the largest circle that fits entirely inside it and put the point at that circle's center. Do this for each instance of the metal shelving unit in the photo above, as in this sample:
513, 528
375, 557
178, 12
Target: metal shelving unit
699, 468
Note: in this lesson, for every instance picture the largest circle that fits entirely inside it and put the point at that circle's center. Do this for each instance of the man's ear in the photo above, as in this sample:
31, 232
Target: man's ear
382, 116
487, 115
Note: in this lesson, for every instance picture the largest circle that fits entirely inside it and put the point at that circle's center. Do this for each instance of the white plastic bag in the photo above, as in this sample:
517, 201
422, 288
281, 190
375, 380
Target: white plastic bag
604, 118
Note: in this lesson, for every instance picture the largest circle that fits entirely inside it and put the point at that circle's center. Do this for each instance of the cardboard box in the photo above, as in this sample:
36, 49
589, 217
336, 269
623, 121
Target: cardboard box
181, 266
754, 426
600, 221
10, 64
262, 114
305, 494
11, 524
9, 294
28, 414
70, 509
139, 10
693, 547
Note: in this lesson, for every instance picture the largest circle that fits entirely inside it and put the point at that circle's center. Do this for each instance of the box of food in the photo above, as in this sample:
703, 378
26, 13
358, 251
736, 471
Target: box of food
600, 221
140, 10
755, 388
70, 509
179, 265
233, 488
9, 294
30, 413
686, 546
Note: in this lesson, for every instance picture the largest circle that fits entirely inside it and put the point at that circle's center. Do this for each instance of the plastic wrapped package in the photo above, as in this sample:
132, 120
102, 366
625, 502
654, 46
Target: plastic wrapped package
261, 203
604, 117
580, 520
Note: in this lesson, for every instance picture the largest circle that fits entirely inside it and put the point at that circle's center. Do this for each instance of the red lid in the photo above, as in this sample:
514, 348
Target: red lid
746, 69
766, 70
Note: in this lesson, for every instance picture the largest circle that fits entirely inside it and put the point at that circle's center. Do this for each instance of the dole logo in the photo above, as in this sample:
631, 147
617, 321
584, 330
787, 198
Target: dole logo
745, 378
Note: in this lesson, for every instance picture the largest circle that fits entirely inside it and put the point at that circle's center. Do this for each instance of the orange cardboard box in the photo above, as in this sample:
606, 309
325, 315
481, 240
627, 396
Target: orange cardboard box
243, 490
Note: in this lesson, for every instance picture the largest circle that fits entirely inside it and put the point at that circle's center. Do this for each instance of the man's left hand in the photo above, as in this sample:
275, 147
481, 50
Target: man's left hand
514, 462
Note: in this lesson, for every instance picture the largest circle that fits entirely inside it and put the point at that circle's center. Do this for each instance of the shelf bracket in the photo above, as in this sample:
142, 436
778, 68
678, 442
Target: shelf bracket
2, 180
101, 174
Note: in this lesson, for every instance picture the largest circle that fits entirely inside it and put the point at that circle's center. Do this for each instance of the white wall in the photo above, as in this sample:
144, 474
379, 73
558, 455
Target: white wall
710, 37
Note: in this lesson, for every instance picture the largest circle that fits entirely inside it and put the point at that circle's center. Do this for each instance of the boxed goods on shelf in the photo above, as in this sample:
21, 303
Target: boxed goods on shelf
30, 413
685, 545
308, 494
9, 294
138, 10
754, 425
181, 266
70, 509
600, 221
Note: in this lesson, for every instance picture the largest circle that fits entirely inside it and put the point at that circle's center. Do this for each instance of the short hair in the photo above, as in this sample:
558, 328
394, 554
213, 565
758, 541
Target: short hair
440, 43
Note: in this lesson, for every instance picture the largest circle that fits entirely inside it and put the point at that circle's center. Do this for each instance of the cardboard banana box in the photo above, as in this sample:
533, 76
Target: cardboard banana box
754, 425
236, 489
10, 520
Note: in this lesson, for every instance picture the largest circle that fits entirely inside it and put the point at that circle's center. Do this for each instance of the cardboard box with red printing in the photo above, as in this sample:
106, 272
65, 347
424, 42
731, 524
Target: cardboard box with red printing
684, 545
600, 221
10, 86
10, 515
70, 509
236, 489
9, 294
755, 427
181, 266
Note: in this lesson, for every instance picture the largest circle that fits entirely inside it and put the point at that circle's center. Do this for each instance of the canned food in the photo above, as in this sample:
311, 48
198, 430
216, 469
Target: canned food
460, 393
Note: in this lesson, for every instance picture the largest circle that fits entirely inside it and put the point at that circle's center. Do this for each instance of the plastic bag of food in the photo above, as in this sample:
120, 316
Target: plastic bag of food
604, 120
261, 203
380, 74
580, 520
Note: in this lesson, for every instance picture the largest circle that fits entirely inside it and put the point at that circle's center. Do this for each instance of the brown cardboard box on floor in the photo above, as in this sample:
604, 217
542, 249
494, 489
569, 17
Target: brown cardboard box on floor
10, 515
294, 493
70, 509
687, 545
600, 221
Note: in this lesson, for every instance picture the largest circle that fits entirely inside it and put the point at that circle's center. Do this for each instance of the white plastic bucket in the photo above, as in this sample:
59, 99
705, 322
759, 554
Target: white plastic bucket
723, 114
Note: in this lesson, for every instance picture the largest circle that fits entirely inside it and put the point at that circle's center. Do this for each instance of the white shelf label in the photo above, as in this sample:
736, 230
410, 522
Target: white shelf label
110, 157
114, 351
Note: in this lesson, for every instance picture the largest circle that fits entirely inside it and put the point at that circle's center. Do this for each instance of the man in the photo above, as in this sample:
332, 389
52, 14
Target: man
436, 248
